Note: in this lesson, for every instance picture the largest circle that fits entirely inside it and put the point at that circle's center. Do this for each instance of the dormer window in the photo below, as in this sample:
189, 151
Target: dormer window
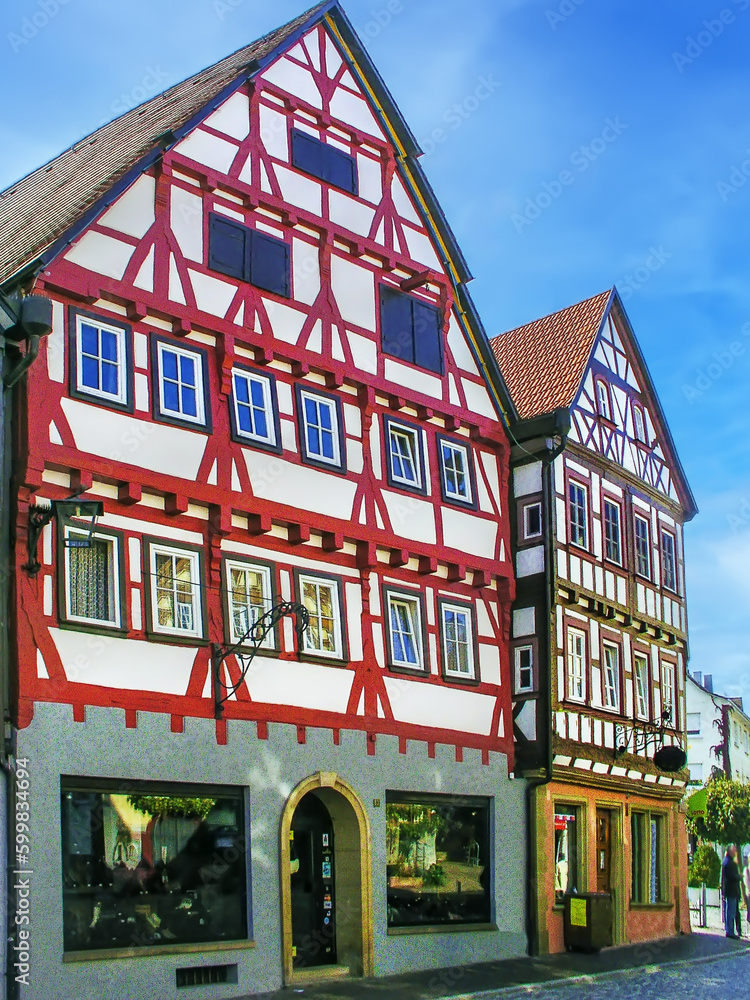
603, 403
639, 424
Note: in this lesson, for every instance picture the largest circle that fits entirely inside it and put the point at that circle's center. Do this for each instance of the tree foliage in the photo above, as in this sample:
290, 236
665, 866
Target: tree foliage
727, 819
705, 868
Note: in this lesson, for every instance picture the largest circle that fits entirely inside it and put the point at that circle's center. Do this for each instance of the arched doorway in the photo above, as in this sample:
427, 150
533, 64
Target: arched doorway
326, 887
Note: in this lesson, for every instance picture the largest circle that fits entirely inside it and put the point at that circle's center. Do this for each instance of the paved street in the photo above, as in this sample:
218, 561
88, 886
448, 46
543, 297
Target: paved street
726, 978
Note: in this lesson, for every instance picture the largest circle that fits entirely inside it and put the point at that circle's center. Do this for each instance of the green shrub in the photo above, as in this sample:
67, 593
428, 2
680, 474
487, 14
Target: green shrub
435, 875
705, 867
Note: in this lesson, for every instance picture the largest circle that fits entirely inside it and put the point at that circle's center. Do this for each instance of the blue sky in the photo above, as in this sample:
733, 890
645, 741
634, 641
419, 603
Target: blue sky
659, 206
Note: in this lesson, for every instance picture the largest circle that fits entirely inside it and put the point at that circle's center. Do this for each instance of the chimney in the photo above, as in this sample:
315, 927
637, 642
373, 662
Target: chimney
708, 683
698, 677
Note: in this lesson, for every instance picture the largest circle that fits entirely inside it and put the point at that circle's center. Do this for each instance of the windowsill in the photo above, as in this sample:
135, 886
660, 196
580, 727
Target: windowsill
175, 639
441, 929
93, 628
106, 954
580, 548
326, 661
652, 906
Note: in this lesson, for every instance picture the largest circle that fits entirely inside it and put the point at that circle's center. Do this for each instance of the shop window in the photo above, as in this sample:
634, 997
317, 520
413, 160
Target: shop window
578, 508
439, 869
566, 851
321, 160
156, 866
92, 579
613, 532
411, 330
648, 850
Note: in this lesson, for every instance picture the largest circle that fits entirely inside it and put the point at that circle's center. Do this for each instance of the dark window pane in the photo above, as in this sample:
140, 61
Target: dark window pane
169, 365
189, 402
269, 263
342, 170
171, 397
227, 247
308, 154
428, 337
397, 334
162, 867
566, 850
89, 373
187, 370
109, 378
439, 868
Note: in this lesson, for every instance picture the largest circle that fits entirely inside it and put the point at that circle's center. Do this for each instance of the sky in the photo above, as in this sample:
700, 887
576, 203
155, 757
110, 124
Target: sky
641, 106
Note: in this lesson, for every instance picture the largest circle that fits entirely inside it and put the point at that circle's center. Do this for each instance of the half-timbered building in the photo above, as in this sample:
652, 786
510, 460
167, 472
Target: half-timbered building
599, 633
266, 388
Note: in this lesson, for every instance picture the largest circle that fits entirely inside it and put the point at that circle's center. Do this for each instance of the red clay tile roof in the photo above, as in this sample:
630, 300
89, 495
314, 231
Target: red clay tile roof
39, 208
543, 362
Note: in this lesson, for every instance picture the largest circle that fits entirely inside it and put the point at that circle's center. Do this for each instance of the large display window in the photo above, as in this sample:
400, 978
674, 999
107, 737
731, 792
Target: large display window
152, 865
438, 860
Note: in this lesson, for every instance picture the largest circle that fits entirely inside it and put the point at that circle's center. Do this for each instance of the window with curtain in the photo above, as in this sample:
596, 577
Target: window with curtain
92, 579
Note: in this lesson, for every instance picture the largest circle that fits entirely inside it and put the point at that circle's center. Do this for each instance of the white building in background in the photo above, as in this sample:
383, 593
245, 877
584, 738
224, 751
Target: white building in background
718, 732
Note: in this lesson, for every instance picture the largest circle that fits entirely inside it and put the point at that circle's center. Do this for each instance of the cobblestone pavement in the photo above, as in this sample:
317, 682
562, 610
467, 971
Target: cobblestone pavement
724, 978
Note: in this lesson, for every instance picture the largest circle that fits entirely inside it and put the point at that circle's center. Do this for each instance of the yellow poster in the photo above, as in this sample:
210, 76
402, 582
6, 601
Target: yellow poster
578, 913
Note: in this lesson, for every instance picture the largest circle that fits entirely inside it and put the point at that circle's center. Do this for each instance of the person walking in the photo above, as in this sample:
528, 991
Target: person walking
730, 890
746, 880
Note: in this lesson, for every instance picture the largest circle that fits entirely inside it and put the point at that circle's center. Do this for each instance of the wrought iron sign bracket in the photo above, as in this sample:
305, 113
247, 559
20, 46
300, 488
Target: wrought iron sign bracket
641, 736
247, 647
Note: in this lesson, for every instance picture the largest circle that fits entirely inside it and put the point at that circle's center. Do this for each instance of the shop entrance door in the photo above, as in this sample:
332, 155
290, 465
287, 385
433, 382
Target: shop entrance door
603, 850
313, 885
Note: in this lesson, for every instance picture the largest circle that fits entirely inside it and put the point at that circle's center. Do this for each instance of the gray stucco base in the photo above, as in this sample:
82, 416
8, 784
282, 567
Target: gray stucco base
103, 747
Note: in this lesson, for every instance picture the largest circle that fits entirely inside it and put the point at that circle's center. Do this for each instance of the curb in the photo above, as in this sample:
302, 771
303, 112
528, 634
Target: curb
589, 978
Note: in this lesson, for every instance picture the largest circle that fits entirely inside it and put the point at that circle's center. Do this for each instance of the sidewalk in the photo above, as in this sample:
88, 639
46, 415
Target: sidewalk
492, 977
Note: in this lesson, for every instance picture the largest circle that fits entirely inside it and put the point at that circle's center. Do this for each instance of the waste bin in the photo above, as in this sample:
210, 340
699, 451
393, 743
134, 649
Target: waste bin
587, 921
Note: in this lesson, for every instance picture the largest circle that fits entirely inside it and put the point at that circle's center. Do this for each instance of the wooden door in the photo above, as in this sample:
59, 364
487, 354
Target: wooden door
603, 850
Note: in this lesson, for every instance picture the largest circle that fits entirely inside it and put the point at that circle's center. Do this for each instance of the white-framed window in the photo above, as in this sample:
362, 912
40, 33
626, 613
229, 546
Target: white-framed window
602, 399
524, 664
576, 665
324, 634
611, 676
253, 407
639, 424
404, 456
181, 389
92, 578
578, 507
101, 361
668, 561
457, 633
405, 630
175, 591
696, 774
249, 596
640, 671
532, 520
613, 531
693, 723
320, 428
667, 689
454, 468
642, 547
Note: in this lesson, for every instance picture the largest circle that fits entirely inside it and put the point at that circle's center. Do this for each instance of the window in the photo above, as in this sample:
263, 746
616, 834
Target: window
566, 851
667, 690
640, 669
612, 532
101, 366
174, 584
639, 424
438, 860
579, 528
324, 635
457, 635
696, 774
576, 665
647, 835
324, 161
182, 384
611, 676
250, 596
668, 561
404, 455
405, 639
694, 723
93, 585
642, 547
320, 427
602, 399
411, 329
455, 471
253, 408
532, 521
524, 663
249, 255
152, 865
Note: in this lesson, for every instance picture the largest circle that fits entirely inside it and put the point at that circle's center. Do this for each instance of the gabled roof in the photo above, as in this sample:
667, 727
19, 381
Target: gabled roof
543, 362
42, 206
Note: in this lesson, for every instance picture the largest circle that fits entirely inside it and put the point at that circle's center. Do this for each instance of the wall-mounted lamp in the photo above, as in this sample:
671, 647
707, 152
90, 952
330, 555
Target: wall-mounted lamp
64, 511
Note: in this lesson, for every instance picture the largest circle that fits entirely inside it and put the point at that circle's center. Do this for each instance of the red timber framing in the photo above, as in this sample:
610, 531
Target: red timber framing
142, 267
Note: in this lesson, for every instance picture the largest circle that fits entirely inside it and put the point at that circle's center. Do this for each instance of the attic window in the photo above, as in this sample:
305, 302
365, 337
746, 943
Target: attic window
411, 330
324, 161
249, 255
